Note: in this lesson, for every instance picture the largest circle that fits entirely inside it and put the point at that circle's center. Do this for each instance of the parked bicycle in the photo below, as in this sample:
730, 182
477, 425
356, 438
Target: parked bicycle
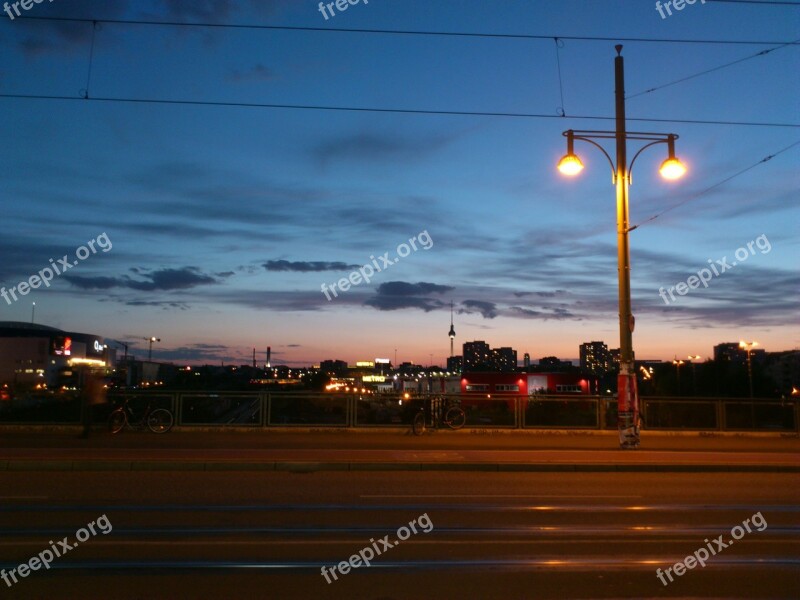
158, 420
436, 412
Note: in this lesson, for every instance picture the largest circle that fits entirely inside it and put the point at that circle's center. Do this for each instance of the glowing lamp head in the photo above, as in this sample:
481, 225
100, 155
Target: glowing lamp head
672, 168
570, 165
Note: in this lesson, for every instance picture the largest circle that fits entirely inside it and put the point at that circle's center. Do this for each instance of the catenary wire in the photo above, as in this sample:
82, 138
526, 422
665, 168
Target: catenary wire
388, 110
405, 31
707, 71
716, 185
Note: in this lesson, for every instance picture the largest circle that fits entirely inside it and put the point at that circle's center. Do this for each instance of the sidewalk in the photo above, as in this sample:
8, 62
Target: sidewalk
392, 451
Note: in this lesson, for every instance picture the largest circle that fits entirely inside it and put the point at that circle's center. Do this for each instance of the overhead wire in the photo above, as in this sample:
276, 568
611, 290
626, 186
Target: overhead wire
404, 31
712, 70
716, 185
561, 109
558, 41
388, 110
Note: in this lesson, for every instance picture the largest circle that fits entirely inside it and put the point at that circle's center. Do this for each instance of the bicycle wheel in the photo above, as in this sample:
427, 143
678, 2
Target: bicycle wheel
455, 417
160, 420
419, 426
117, 420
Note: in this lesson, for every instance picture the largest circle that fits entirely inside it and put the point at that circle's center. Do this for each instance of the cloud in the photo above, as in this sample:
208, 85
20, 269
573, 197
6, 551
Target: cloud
487, 309
258, 73
554, 313
379, 147
165, 304
397, 295
160, 280
307, 266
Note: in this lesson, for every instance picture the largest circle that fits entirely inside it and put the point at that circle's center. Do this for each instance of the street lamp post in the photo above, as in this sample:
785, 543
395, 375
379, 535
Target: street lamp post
694, 372
678, 364
748, 346
150, 352
671, 168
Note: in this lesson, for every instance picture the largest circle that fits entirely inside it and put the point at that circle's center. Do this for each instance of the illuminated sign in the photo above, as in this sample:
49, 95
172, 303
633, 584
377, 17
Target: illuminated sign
382, 361
365, 363
61, 346
373, 379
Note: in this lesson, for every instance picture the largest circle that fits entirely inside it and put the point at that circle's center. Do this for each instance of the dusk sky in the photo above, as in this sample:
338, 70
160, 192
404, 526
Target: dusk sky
225, 221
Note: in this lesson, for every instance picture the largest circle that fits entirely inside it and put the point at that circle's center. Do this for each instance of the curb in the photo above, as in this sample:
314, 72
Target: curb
391, 430
313, 467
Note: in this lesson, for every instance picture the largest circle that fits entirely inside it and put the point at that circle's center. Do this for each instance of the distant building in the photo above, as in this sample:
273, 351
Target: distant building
526, 361
595, 357
33, 354
733, 353
333, 367
729, 352
478, 356
455, 364
784, 370
522, 384
505, 359
613, 363
549, 362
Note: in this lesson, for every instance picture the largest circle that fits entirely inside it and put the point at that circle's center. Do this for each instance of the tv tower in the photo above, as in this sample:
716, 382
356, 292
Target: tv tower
452, 333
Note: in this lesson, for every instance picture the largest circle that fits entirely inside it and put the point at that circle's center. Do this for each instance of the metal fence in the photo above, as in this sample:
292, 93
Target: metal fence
296, 409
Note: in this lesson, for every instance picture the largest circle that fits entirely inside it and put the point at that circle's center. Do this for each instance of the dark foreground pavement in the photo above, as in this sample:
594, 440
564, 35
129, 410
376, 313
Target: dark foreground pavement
267, 535
392, 450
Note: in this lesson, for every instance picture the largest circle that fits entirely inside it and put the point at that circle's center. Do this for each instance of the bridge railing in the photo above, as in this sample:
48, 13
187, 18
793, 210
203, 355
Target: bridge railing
307, 409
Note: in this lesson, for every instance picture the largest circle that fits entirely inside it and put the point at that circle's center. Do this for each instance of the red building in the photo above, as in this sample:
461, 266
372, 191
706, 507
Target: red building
524, 384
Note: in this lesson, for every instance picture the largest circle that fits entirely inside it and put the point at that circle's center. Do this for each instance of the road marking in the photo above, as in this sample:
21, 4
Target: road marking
532, 563
502, 541
24, 497
484, 496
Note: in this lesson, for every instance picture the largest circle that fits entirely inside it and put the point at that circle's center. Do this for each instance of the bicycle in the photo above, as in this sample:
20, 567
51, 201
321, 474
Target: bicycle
445, 412
158, 420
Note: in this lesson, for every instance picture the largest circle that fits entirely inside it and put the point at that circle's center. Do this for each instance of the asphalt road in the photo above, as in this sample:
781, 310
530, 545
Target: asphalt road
394, 440
490, 535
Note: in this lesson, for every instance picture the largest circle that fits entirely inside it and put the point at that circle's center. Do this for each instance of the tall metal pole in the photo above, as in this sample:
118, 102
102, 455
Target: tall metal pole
628, 396
750, 371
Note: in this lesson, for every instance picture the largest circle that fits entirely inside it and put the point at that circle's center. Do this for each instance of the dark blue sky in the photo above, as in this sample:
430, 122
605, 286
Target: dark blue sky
226, 221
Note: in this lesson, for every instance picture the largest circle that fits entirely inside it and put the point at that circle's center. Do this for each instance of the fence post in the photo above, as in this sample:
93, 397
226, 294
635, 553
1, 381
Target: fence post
177, 408
351, 411
797, 416
601, 412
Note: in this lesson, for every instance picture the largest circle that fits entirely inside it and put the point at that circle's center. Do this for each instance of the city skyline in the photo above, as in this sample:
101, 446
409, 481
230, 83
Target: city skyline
226, 221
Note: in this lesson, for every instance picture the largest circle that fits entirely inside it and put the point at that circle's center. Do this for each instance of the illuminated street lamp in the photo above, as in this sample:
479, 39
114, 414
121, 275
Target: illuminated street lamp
678, 364
672, 168
694, 372
150, 352
748, 346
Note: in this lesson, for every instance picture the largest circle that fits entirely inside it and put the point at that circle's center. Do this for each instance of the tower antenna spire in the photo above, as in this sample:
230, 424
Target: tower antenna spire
452, 332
